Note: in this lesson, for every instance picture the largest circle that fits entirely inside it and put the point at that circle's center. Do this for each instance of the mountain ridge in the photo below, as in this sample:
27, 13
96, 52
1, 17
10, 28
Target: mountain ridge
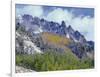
49, 35
50, 26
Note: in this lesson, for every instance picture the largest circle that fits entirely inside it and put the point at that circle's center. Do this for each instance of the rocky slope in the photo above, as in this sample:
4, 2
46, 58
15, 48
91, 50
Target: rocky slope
20, 69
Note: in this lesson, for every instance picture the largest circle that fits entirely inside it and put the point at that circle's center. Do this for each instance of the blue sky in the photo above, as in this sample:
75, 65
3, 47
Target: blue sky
81, 19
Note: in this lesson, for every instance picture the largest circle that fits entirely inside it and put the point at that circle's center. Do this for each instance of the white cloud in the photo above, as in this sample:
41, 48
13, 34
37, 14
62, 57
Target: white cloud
18, 12
85, 25
32, 10
59, 14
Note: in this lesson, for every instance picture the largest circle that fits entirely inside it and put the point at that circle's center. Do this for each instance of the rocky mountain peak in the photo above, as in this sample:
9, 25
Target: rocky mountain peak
27, 17
50, 26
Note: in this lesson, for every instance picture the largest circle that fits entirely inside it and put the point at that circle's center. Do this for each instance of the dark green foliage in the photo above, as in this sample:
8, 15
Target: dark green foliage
51, 61
86, 63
